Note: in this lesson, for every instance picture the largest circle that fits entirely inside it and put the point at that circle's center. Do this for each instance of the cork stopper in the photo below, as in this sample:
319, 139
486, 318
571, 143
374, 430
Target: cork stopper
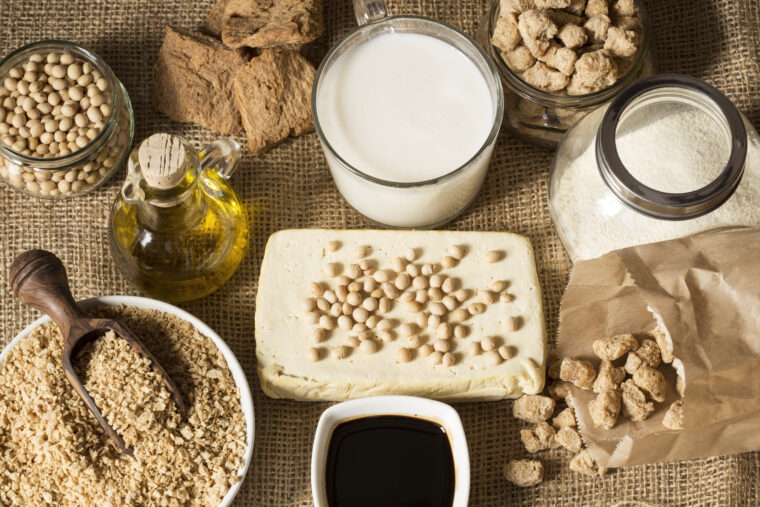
162, 160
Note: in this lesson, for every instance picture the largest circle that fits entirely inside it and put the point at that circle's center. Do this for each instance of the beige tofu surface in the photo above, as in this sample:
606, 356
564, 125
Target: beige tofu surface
295, 258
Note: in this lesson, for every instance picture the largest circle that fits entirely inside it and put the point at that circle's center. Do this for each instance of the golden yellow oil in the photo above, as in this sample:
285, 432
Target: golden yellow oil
185, 251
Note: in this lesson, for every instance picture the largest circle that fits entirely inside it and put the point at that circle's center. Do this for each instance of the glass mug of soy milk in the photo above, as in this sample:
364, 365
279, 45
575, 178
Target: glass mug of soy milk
407, 110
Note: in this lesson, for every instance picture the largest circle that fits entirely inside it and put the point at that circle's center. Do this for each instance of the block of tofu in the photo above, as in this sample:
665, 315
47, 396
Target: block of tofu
292, 364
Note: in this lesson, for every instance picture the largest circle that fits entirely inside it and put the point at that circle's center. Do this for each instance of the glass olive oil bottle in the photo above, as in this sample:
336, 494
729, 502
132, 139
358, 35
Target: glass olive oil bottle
178, 230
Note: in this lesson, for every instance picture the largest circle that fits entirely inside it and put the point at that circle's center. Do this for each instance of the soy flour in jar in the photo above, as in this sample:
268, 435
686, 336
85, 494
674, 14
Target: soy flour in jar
669, 157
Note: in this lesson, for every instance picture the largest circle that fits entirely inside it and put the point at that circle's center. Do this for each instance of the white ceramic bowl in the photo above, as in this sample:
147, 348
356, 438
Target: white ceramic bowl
410, 406
246, 400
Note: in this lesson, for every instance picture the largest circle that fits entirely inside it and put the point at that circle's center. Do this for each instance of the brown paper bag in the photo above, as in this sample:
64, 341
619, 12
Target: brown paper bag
705, 292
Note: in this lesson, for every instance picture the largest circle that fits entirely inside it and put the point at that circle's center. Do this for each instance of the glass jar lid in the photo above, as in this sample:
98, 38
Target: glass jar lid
703, 107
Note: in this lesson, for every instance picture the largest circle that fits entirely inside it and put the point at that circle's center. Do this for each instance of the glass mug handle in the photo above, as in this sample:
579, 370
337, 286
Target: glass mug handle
369, 11
222, 155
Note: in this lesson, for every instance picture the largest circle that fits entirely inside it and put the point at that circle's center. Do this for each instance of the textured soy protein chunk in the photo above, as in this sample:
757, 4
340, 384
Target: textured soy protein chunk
194, 81
661, 338
539, 438
608, 378
552, 4
585, 463
565, 419
624, 8
614, 347
562, 59
569, 439
596, 7
519, 59
524, 472
516, 6
597, 28
674, 416
533, 408
579, 372
635, 404
621, 43
273, 92
594, 71
506, 35
651, 382
572, 36
536, 30
576, 7
544, 77
271, 23
647, 354
561, 18
605, 408
215, 19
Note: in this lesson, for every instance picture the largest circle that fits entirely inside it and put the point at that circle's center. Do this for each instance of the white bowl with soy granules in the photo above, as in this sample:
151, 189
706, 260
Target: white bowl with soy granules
66, 121
198, 459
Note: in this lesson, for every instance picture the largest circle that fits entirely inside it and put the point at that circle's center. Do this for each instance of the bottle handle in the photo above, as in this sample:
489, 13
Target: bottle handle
223, 155
369, 11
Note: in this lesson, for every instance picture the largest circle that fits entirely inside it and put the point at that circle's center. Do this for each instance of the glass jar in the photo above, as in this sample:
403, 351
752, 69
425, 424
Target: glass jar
542, 118
427, 203
99, 152
178, 230
670, 156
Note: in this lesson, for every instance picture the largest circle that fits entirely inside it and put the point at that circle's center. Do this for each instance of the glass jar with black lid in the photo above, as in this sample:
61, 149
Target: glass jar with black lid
670, 156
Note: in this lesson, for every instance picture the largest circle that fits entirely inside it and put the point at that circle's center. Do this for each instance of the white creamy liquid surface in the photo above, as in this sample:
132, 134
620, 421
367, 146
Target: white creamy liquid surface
405, 107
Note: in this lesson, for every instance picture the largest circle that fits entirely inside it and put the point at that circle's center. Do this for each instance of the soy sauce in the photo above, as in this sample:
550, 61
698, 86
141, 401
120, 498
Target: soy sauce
389, 461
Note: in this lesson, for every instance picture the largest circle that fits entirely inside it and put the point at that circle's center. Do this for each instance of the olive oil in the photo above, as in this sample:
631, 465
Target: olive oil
182, 240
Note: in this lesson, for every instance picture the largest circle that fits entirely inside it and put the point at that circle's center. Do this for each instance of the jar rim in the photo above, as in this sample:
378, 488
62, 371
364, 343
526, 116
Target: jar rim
653, 202
80, 156
498, 106
566, 101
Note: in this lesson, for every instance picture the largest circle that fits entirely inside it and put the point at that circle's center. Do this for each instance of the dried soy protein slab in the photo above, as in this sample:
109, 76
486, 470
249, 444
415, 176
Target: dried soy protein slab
215, 19
194, 75
271, 23
339, 316
273, 92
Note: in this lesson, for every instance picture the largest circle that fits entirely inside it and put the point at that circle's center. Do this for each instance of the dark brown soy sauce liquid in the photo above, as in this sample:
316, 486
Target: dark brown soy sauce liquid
389, 461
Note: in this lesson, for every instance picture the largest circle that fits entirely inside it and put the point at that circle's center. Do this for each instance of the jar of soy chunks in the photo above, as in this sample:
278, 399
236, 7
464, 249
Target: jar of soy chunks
66, 121
559, 60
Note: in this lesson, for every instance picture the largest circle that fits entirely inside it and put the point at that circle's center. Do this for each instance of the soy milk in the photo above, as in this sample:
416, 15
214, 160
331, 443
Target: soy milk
405, 107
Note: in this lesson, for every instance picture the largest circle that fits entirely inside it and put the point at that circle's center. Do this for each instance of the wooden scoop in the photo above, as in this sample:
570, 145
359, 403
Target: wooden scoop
38, 278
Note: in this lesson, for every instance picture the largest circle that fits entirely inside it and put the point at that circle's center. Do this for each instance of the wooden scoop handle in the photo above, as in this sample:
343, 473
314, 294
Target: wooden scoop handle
38, 278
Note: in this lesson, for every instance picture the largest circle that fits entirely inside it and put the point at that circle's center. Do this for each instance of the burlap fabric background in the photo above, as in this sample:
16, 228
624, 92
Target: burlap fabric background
716, 40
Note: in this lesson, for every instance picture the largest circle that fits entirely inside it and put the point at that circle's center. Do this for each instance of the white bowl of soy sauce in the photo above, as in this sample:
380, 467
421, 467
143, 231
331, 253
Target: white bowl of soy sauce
390, 450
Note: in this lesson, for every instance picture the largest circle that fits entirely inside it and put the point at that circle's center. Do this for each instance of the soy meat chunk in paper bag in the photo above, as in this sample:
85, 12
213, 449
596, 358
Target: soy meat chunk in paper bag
692, 388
